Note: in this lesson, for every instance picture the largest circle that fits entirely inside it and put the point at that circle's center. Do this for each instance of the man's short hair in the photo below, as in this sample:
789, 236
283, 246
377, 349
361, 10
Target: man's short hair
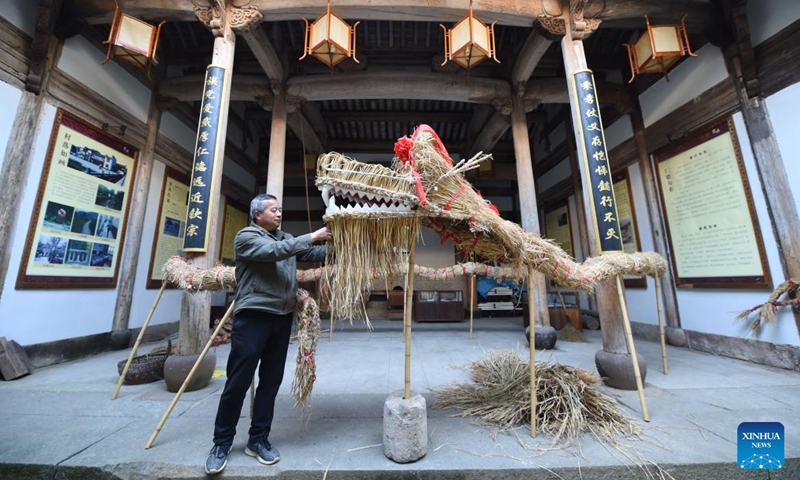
257, 204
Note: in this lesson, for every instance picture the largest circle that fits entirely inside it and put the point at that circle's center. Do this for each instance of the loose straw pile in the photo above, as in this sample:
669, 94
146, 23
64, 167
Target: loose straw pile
568, 404
765, 313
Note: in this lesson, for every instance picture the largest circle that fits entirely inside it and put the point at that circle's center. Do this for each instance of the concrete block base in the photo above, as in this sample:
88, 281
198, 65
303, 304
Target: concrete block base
405, 427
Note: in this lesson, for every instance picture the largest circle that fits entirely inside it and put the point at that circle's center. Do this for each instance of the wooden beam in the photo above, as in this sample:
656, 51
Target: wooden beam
189, 88
528, 58
46, 15
552, 160
495, 128
15, 54
303, 130
518, 14
407, 117
397, 85
778, 60
256, 38
314, 116
554, 90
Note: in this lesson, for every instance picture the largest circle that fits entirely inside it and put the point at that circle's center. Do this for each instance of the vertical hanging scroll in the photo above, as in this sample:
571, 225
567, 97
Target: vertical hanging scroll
205, 156
596, 164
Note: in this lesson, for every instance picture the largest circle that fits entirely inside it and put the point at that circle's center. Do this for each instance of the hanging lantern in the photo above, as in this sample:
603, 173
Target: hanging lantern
132, 40
469, 42
657, 50
330, 39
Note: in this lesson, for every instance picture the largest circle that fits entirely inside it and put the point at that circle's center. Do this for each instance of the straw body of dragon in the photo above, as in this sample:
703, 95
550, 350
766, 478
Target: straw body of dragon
374, 213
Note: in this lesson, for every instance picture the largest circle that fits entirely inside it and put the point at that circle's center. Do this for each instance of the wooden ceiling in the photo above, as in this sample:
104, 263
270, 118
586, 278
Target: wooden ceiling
400, 36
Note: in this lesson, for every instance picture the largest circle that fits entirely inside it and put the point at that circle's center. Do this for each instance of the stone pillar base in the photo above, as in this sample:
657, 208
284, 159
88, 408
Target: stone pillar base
544, 338
405, 428
617, 369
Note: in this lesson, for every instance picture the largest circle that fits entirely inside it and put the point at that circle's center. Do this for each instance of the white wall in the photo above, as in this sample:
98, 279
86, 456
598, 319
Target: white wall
82, 60
21, 13
783, 107
9, 98
714, 310
689, 79
768, 17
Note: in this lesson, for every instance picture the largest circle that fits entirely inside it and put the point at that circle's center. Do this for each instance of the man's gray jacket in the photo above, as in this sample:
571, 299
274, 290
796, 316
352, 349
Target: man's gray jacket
266, 268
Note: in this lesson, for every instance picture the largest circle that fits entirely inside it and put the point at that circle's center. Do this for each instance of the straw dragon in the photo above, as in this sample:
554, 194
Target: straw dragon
375, 212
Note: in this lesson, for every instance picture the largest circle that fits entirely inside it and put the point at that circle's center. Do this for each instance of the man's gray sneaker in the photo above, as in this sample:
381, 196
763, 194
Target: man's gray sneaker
263, 451
217, 459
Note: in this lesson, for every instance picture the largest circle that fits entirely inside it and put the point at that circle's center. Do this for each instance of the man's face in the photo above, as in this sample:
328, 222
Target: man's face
270, 218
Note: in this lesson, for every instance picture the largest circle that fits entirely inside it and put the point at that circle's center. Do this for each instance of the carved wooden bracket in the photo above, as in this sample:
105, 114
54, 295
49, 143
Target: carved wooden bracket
502, 105
242, 18
581, 27
294, 103
264, 102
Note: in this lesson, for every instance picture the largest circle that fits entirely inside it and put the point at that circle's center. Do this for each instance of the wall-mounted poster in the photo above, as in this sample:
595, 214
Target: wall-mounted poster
168, 237
236, 218
557, 226
78, 224
711, 222
627, 224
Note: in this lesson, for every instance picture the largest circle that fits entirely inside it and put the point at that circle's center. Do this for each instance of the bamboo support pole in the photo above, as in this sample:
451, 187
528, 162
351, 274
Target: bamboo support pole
626, 323
471, 302
407, 308
200, 358
532, 350
138, 341
661, 325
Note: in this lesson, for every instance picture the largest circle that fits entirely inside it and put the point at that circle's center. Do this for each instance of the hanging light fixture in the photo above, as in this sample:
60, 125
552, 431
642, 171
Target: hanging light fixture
657, 50
330, 39
469, 42
132, 40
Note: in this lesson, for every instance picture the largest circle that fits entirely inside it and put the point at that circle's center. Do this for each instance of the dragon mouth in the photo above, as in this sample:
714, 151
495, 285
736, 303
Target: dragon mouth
351, 187
344, 200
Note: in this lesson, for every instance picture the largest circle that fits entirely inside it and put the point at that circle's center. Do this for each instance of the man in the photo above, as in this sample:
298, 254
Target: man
266, 264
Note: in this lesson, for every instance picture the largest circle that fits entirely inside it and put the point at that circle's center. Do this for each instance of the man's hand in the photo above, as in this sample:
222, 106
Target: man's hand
321, 235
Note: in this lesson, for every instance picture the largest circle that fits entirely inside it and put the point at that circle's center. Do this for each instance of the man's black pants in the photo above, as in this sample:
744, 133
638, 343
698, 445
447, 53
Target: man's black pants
256, 336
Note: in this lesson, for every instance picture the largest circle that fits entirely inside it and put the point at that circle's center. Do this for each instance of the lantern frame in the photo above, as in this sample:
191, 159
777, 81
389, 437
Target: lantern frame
121, 48
330, 58
644, 55
454, 53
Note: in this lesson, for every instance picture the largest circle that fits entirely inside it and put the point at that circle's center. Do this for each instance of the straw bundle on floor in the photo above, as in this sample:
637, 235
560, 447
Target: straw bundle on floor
568, 404
765, 313
308, 333
568, 333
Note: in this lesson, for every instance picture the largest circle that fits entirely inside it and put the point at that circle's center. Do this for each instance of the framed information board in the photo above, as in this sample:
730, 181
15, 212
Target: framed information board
78, 224
235, 218
171, 226
557, 226
627, 224
711, 222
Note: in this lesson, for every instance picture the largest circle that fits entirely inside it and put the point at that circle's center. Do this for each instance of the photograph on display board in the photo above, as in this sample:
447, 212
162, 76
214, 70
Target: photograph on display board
77, 226
168, 235
557, 227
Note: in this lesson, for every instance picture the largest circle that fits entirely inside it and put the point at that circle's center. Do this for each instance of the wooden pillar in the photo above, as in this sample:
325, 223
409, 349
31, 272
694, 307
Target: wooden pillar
133, 235
607, 300
14, 175
527, 199
668, 293
277, 146
18, 157
196, 307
